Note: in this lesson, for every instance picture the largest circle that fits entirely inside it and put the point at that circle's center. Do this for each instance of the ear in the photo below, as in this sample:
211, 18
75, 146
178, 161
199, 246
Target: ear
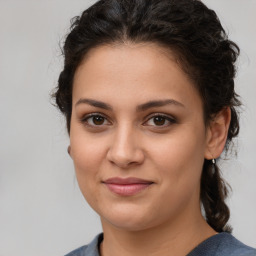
69, 151
217, 132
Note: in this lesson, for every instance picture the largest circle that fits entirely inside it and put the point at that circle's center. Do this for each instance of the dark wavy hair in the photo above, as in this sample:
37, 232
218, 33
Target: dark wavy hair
191, 31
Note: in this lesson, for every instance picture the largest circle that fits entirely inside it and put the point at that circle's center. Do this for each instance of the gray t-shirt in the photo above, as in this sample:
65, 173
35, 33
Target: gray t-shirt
222, 244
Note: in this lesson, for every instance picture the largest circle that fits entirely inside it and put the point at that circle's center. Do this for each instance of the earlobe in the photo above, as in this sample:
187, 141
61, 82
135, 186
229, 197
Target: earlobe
217, 133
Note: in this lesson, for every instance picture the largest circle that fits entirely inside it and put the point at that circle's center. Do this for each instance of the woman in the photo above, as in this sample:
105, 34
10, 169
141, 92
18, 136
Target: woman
148, 94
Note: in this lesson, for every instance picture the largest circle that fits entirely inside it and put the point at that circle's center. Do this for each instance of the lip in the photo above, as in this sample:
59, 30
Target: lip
127, 186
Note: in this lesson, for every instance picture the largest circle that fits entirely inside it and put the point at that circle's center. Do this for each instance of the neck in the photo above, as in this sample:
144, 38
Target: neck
178, 238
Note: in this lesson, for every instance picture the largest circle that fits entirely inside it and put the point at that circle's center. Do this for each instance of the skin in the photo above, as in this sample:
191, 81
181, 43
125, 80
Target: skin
165, 218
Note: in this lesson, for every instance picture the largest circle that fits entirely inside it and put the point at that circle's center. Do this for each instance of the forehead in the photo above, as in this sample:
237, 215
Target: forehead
135, 72
131, 59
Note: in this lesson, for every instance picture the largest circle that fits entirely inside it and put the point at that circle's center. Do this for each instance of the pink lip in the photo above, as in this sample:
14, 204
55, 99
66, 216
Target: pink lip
128, 186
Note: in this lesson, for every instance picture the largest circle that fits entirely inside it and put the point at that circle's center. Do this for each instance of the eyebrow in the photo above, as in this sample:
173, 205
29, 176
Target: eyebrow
139, 108
158, 103
94, 103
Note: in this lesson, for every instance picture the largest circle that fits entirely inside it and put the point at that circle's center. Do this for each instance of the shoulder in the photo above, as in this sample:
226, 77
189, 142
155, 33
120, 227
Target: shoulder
79, 251
229, 245
88, 250
223, 244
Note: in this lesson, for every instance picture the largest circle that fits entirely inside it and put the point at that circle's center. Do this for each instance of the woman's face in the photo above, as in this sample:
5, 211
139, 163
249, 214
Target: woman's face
138, 137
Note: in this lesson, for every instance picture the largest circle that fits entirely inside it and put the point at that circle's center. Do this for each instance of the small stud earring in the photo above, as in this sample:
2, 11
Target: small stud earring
213, 161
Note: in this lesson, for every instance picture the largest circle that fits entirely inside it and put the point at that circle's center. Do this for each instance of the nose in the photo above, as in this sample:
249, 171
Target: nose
125, 149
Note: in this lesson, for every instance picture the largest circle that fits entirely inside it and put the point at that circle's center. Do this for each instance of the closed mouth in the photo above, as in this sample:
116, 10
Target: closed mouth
127, 186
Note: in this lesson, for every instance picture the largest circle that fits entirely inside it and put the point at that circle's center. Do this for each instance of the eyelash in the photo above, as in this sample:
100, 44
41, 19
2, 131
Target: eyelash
171, 120
85, 119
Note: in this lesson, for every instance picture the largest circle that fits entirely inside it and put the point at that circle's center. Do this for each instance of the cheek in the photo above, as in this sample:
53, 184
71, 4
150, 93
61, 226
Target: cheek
88, 155
179, 161
180, 155
86, 148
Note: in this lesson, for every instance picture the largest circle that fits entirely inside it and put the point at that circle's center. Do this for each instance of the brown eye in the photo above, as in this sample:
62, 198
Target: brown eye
159, 120
95, 120
98, 120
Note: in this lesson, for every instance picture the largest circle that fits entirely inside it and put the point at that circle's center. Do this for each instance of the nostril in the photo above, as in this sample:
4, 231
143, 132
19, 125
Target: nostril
125, 159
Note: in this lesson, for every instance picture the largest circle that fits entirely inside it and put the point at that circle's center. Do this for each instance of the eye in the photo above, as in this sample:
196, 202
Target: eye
160, 120
95, 120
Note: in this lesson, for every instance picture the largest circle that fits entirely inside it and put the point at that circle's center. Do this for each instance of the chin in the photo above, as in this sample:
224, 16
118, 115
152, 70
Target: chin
129, 220
131, 225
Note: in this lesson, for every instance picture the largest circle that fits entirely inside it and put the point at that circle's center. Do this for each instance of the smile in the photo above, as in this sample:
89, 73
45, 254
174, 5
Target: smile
127, 187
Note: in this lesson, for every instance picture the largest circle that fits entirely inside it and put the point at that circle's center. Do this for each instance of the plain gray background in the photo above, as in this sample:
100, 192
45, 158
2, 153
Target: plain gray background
41, 209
